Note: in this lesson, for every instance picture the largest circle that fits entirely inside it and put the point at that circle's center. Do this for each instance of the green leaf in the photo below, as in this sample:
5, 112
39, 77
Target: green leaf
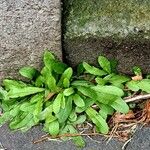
20, 121
67, 74
58, 67
63, 102
73, 116
87, 91
113, 64
57, 103
68, 91
3, 94
27, 107
51, 82
21, 92
88, 102
104, 63
78, 100
144, 85
66, 83
137, 70
133, 85
39, 81
81, 83
93, 70
78, 140
38, 109
119, 79
10, 84
29, 72
120, 106
48, 56
98, 120
64, 113
4, 118
81, 119
108, 89
100, 81
46, 113
105, 110
54, 128
80, 69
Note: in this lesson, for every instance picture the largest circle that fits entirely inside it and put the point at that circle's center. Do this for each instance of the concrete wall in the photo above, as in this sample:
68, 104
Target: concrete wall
118, 29
27, 27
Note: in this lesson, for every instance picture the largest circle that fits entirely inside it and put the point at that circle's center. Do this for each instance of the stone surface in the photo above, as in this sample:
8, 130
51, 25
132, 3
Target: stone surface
27, 27
23, 141
119, 29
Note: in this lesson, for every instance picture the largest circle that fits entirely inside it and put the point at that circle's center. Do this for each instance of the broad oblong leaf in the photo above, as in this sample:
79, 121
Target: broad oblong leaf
20, 121
54, 128
104, 63
93, 70
133, 85
10, 84
120, 106
29, 72
78, 100
119, 79
21, 92
108, 89
57, 103
64, 113
98, 120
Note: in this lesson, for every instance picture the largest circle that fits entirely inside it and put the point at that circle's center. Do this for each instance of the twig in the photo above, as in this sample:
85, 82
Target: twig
137, 98
46, 137
125, 144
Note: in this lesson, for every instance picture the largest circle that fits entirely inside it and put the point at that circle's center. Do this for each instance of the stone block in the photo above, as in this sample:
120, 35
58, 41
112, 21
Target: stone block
27, 27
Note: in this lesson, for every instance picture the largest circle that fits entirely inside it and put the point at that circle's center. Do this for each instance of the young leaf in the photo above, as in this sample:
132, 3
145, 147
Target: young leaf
93, 70
21, 92
120, 106
54, 128
67, 74
57, 103
78, 100
104, 63
98, 120
29, 72
48, 56
137, 70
